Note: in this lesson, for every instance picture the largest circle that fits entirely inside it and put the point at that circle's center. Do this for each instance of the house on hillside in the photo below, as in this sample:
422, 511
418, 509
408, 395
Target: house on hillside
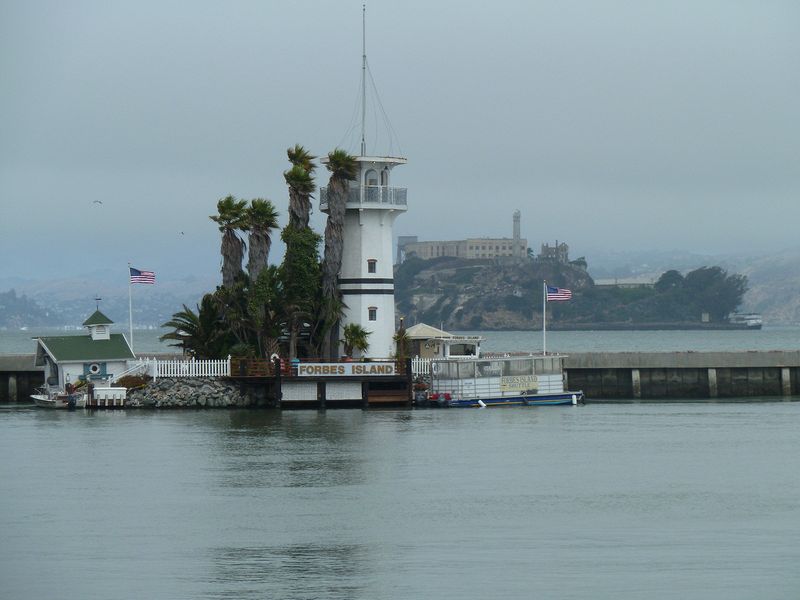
95, 357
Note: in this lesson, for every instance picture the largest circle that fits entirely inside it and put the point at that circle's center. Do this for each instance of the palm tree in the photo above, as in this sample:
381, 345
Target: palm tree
201, 334
300, 156
186, 326
300, 179
261, 218
343, 168
231, 217
325, 314
232, 305
266, 310
301, 184
355, 338
402, 347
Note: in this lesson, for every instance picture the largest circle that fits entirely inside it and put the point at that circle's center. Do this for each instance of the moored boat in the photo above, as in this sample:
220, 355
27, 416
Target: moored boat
59, 399
508, 380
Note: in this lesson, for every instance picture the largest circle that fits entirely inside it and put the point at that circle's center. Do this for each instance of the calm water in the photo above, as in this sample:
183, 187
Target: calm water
769, 338
600, 501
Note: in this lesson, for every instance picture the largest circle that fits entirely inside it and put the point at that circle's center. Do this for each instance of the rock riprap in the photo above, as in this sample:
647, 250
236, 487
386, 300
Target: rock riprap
180, 392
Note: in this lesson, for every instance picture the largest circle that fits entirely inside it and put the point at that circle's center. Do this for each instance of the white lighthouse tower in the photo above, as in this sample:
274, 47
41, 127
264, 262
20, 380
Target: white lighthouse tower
366, 279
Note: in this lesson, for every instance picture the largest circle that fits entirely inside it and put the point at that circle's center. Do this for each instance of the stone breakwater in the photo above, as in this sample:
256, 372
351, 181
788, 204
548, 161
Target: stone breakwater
207, 392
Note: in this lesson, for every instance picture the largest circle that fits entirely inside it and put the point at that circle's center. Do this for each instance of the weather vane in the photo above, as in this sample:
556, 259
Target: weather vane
97, 301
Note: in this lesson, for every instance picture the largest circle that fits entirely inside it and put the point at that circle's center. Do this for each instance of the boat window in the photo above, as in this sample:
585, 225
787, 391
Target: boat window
519, 367
488, 368
547, 365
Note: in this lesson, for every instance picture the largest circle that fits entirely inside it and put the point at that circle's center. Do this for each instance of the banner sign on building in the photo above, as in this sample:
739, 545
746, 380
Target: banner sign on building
352, 369
519, 383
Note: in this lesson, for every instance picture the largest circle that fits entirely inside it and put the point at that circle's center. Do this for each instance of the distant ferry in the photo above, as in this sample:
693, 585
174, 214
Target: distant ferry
749, 320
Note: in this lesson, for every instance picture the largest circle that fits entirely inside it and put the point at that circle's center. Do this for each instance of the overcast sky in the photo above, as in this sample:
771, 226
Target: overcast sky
610, 124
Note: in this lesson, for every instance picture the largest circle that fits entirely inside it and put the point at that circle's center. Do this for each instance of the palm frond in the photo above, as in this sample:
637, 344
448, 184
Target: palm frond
301, 157
342, 165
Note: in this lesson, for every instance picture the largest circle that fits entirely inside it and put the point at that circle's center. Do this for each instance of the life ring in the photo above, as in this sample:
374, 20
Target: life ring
94, 368
435, 368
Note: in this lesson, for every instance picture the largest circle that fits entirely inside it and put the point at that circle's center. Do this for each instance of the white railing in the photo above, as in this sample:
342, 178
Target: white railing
140, 366
420, 366
373, 194
180, 368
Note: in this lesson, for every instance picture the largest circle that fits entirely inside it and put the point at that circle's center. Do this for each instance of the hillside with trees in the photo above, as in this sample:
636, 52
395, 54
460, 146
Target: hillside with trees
20, 311
463, 294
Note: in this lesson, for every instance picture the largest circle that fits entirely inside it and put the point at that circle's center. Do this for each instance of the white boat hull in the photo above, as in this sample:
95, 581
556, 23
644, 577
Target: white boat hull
58, 401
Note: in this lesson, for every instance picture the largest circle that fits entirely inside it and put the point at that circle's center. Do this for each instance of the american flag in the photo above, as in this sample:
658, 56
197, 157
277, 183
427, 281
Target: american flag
556, 294
138, 276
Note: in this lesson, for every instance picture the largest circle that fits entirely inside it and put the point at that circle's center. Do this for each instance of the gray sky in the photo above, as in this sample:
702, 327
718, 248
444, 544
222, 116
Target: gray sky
609, 124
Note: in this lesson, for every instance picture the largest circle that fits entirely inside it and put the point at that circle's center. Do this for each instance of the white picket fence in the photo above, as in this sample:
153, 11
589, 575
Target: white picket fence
178, 368
420, 366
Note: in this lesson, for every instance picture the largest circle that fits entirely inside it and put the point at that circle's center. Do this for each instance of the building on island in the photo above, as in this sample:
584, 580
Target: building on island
366, 278
558, 253
98, 356
472, 248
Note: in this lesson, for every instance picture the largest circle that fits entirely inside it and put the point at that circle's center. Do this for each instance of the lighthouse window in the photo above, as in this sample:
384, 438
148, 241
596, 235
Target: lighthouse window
385, 176
373, 313
371, 177
372, 265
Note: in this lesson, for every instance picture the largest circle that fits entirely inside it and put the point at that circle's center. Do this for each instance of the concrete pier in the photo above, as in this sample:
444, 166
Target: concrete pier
667, 375
18, 377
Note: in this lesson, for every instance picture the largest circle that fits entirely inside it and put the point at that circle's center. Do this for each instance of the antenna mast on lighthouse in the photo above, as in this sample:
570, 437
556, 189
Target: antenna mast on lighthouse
363, 77
371, 205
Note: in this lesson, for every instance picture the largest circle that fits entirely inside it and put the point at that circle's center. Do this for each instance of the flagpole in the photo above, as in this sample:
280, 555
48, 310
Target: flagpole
130, 308
544, 317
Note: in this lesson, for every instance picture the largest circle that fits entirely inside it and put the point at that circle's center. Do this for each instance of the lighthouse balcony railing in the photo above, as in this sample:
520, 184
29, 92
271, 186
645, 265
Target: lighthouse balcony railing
374, 195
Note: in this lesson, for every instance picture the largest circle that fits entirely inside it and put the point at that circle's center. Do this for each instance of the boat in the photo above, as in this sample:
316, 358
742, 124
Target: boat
748, 320
451, 371
54, 398
500, 380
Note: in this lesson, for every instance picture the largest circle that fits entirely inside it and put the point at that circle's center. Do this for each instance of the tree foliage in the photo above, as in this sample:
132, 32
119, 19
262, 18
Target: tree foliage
355, 337
231, 218
673, 298
300, 179
262, 218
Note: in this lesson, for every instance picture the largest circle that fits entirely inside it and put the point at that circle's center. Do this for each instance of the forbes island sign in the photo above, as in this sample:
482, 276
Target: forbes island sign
352, 369
519, 383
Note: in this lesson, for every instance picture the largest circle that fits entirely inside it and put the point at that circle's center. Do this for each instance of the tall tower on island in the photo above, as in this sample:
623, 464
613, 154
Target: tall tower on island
517, 252
366, 279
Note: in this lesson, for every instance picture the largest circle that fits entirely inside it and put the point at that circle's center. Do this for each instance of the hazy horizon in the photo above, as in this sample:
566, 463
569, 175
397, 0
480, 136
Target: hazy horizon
610, 126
